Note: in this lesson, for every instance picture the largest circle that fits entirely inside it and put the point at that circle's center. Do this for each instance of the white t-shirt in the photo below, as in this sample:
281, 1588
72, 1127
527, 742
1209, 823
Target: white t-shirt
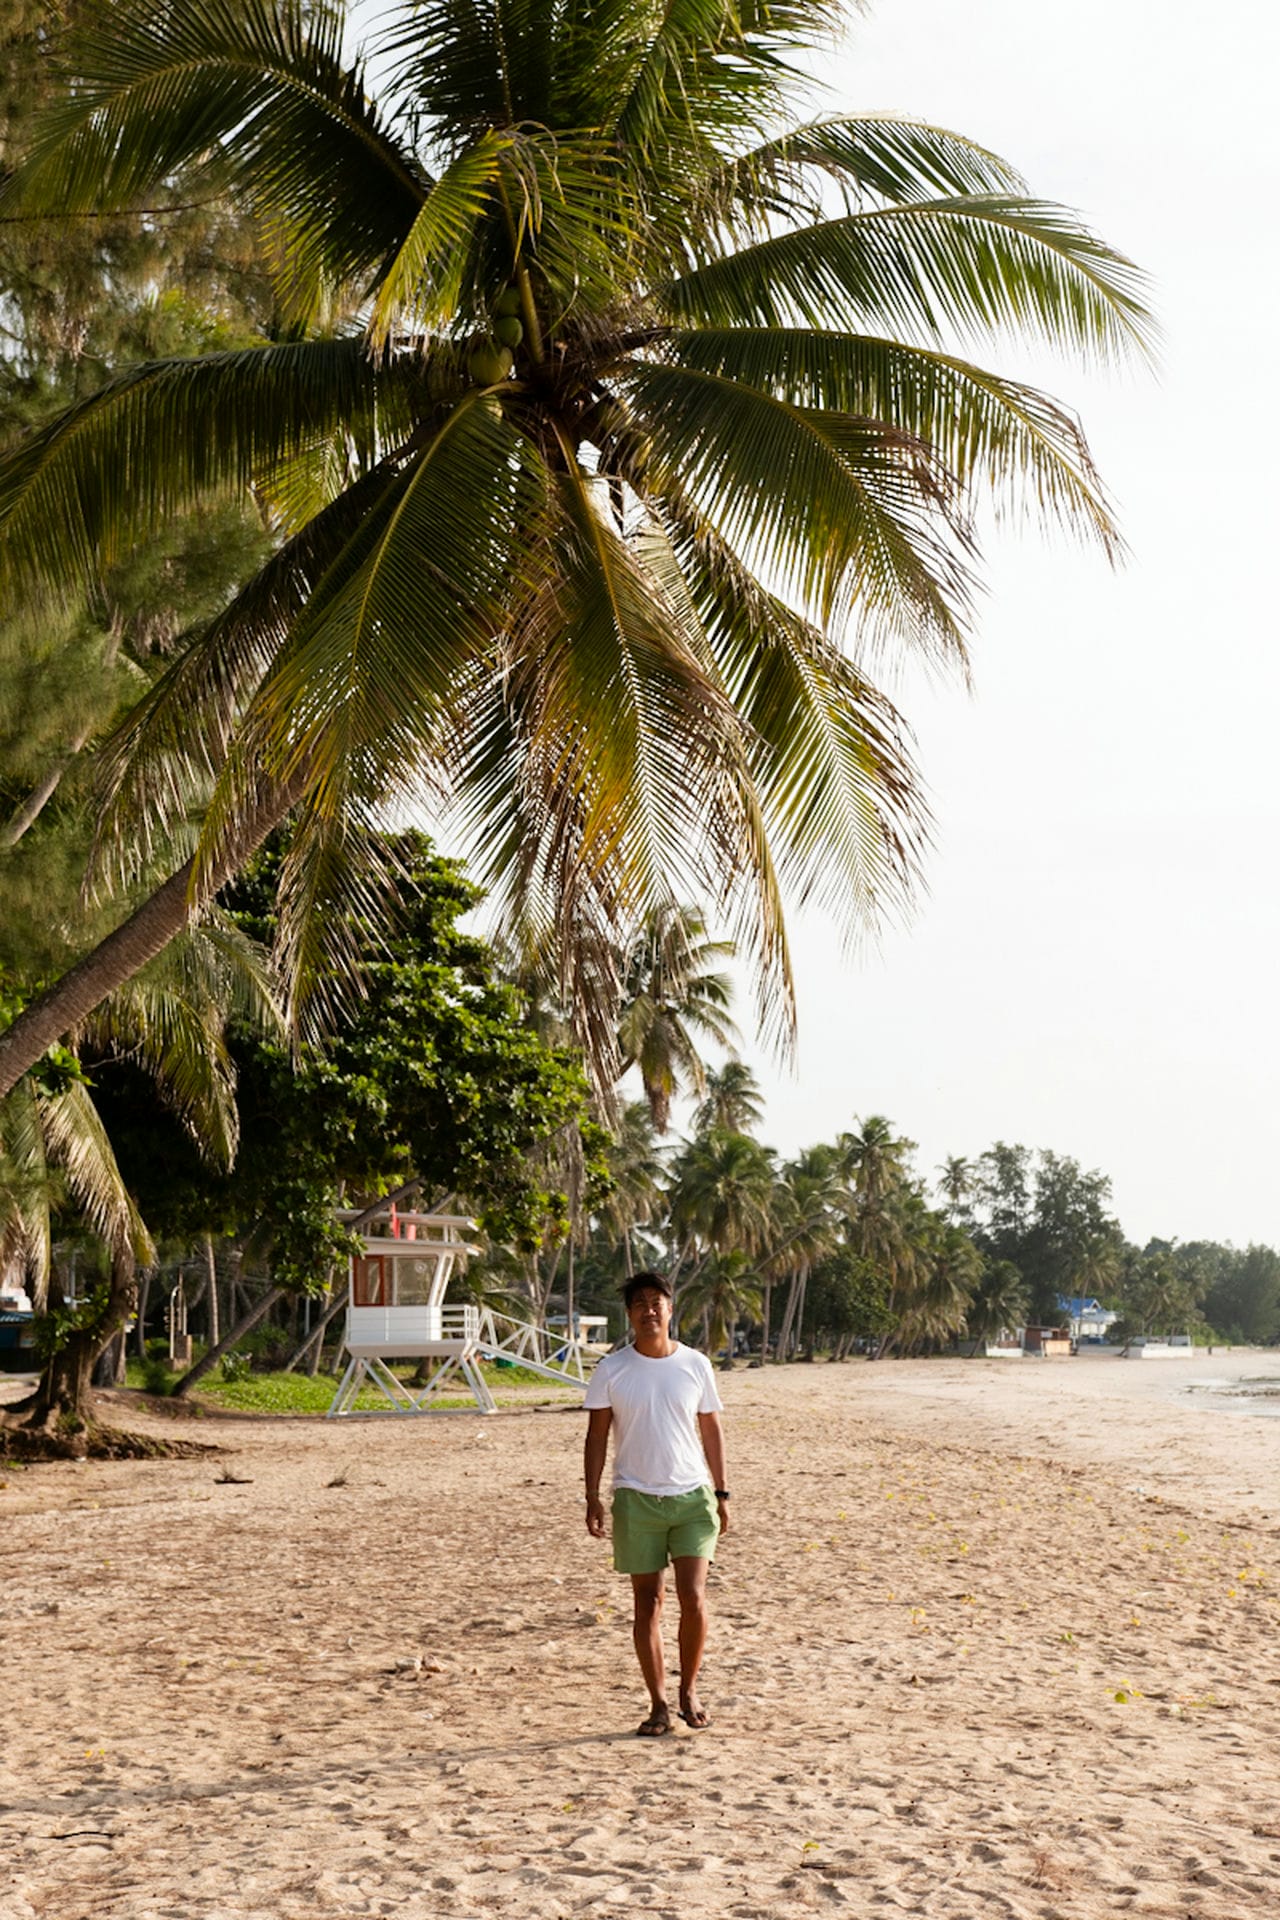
657, 1447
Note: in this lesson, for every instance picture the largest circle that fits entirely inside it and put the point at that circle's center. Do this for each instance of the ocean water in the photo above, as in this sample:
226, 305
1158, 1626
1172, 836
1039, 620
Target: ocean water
1257, 1394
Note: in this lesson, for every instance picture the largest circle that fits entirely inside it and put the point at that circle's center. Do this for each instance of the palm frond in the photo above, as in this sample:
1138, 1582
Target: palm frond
830, 763
423, 283
252, 92
601, 773
868, 157
76, 1141
363, 701
157, 768
171, 1019
964, 267
850, 512
27, 1186
997, 437
162, 438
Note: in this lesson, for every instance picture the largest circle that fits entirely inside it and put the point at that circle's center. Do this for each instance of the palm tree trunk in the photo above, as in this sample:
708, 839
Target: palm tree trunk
63, 1395
764, 1330
211, 1266
25, 816
568, 1293
144, 1288
789, 1313
314, 1341
804, 1289
125, 952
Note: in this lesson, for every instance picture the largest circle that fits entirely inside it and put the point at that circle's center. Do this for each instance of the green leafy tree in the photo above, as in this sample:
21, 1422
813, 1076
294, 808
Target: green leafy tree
1052, 1219
847, 1300
85, 298
1240, 1289
659, 398
435, 1077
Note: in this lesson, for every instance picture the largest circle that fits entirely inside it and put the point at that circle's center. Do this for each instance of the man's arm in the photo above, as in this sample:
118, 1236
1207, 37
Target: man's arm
599, 1420
713, 1447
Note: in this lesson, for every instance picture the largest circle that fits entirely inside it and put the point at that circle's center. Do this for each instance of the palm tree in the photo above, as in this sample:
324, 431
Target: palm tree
874, 1161
809, 1199
1000, 1303
652, 401
725, 1291
636, 1168
673, 994
956, 1184
171, 1021
731, 1099
720, 1197
949, 1271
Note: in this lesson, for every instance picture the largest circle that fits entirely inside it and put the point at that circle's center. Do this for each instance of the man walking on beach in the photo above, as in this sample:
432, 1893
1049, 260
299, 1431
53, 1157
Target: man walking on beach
670, 1502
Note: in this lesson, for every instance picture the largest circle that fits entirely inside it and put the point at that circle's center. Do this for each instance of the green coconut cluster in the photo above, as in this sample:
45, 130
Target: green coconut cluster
492, 354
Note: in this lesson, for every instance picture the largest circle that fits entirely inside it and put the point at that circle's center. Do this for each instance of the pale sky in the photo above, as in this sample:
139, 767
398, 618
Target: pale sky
1093, 969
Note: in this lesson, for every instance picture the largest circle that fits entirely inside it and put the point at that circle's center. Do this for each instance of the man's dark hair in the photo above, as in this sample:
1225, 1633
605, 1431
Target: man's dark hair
639, 1282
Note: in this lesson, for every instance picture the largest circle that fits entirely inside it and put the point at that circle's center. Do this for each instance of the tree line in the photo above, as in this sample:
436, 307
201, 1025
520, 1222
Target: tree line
849, 1247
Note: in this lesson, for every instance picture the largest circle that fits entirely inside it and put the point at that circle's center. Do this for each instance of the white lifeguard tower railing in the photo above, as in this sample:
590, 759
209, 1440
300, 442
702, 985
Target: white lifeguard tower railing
396, 1311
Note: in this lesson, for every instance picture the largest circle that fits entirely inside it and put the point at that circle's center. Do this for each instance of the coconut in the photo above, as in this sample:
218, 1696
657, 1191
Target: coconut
507, 302
488, 364
508, 329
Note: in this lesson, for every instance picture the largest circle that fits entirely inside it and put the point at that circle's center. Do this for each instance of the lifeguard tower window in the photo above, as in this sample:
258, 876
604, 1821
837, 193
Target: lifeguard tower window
380, 1280
371, 1282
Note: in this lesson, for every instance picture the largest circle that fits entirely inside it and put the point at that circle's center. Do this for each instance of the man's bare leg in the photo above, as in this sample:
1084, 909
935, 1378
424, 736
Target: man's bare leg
646, 1590
691, 1591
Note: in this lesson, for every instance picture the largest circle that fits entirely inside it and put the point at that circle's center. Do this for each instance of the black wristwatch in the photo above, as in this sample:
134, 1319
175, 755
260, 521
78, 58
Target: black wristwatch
721, 1493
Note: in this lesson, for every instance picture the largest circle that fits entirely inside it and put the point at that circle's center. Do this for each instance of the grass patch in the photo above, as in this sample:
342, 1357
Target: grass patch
280, 1393
298, 1393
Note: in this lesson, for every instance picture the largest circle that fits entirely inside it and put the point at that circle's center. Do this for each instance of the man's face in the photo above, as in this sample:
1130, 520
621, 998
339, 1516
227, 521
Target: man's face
649, 1313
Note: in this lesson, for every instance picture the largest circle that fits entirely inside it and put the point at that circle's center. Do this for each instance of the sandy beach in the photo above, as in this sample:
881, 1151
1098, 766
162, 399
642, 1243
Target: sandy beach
989, 1638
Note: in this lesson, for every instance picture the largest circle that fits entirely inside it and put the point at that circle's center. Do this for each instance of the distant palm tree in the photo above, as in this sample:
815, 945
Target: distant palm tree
674, 995
874, 1161
956, 1184
731, 1100
948, 1269
720, 1197
1001, 1302
725, 1291
636, 1167
809, 1201
608, 403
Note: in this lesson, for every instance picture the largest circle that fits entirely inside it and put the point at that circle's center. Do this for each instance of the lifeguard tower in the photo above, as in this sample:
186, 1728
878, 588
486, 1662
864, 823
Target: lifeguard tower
396, 1311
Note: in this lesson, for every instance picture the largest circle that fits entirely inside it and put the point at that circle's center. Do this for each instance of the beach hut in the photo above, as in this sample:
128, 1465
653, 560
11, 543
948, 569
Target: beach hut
1051, 1343
396, 1310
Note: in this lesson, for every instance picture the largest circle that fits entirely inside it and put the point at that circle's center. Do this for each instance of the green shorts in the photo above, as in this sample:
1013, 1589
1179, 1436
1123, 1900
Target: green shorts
651, 1528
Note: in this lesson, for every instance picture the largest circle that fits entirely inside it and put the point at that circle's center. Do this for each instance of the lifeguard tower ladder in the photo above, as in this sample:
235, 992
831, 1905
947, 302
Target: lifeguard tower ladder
396, 1311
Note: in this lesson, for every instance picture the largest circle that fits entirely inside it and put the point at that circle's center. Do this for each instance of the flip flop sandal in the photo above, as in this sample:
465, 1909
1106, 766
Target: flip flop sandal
657, 1724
